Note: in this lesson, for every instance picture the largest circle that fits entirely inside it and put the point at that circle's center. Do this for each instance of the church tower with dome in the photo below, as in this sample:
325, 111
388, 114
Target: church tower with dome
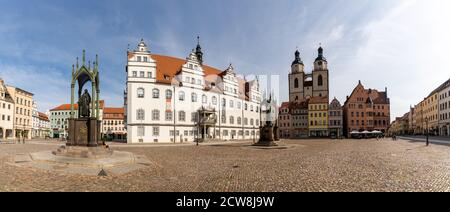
303, 86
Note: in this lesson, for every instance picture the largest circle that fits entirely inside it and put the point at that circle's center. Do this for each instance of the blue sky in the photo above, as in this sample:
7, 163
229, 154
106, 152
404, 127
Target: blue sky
402, 44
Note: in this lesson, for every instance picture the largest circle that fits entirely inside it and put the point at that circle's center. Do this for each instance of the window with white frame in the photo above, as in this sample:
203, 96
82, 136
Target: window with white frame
140, 114
140, 92
155, 115
204, 99
155, 131
182, 116
141, 131
224, 119
194, 97
214, 100
194, 117
155, 93
168, 94
169, 115
181, 96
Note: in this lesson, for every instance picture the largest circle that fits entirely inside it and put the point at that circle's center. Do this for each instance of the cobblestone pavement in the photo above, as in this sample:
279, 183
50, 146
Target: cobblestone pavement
308, 165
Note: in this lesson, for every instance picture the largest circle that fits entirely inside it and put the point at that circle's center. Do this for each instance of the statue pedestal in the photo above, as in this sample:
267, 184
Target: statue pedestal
84, 132
83, 152
267, 136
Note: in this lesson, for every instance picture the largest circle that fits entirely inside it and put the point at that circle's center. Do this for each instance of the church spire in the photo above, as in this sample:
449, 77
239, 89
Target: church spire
198, 51
320, 54
297, 59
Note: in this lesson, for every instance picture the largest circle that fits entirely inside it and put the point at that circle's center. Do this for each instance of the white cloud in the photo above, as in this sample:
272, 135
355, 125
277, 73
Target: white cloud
48, 85
405, 51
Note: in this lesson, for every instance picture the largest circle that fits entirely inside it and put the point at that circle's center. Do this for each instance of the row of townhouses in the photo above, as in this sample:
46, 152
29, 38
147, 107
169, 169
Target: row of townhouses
431, 115
309, 112
19, 117
112, 121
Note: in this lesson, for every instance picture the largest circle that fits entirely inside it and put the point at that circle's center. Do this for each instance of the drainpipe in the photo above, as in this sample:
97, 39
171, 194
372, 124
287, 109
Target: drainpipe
174, 115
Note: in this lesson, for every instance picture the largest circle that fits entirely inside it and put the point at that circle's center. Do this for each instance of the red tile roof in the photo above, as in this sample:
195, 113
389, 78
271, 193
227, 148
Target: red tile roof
43, 116
67, 106
318, 100
112, 110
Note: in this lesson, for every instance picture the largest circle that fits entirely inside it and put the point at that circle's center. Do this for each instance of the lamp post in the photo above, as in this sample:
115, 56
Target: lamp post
426, 121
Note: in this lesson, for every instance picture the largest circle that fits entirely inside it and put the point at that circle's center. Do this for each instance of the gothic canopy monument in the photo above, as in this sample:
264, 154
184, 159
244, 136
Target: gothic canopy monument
84, 129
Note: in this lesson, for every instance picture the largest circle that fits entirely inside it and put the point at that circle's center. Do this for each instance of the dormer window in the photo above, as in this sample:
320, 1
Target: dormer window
145, 59
190, 66
139, 58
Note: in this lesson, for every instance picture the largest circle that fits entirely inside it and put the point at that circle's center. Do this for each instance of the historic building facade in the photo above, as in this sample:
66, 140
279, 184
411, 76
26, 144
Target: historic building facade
431, 113
336, 119
293, 120
444, 109
418, 119
318, 116
41, 124
114, 123
366, 109
59, 119
22, 112
308, 105
6, 113
169, 99
303, 86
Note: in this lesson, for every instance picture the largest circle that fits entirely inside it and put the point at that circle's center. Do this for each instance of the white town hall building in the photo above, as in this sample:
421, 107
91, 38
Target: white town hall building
176, 100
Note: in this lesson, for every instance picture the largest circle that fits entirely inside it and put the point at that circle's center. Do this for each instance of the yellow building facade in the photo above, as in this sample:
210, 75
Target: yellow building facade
431, 113
318, 117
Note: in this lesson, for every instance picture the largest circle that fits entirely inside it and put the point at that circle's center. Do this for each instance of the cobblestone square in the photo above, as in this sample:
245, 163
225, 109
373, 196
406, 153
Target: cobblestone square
305, 165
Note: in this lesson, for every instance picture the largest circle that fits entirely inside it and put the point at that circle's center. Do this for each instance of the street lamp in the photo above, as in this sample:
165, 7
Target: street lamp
426, 121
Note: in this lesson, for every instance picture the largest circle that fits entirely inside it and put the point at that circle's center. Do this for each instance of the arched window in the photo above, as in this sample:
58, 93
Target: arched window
140, 113
155, 115
204, 99
296, 83
214, 100
168, 94
231, 120
194, 97
320, 80
155, 93
181, 96
141, 92
224, 102
239, 120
